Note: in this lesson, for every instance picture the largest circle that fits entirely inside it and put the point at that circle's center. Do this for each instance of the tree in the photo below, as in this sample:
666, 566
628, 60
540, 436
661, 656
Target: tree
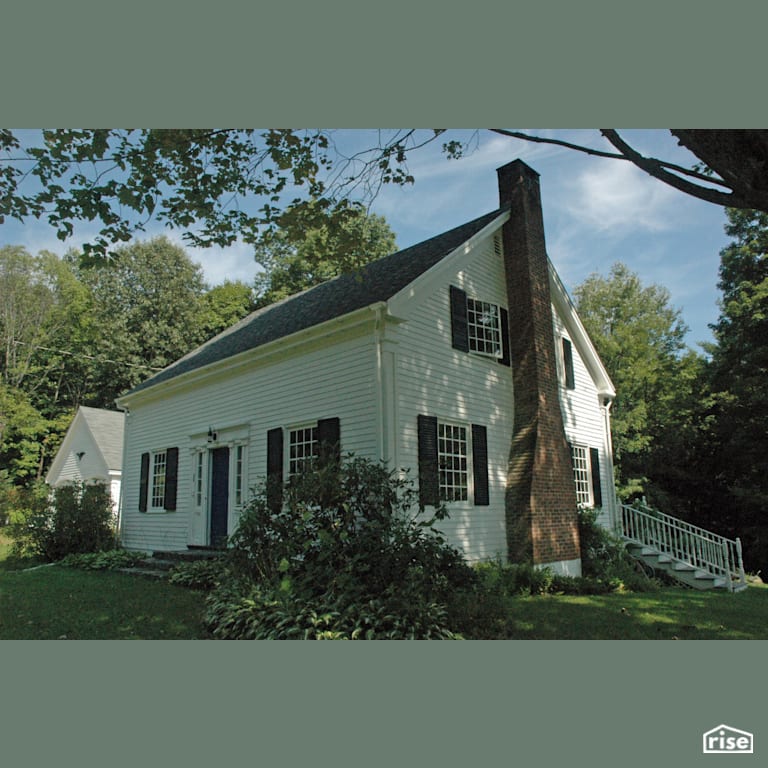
641, 340
224, 305
44, 324
736, 160
237, 183
735, 417
311, 247
148, 305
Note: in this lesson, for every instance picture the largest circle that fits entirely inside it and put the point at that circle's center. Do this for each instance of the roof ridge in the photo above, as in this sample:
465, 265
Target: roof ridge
375, 281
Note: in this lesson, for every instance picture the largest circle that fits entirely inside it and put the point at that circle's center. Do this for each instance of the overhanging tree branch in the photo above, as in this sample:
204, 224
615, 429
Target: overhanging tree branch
659, 171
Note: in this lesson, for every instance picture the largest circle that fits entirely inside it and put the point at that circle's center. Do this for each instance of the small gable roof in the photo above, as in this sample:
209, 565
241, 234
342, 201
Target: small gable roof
374, 282
107, 430
98, 427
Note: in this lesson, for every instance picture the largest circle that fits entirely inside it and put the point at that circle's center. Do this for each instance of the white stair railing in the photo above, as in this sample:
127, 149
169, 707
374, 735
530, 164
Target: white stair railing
687, 543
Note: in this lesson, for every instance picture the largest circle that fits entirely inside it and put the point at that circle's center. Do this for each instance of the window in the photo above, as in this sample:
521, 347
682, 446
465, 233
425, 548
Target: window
158, 480
199, 478
582, 475
238, 474
452, 460
570, 380
307, 446
303, 449
586, 475
484, 328
479, 326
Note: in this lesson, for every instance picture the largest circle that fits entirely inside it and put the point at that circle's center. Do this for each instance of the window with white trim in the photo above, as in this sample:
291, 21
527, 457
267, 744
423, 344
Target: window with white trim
239, 474
453, 462
159, 462
582, 475
199, 479
303, 449
483, 328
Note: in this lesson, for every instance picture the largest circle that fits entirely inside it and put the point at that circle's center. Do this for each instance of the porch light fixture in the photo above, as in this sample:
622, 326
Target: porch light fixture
211, 435
80, 455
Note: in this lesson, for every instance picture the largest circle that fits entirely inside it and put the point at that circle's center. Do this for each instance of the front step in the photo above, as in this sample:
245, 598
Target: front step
188, 555
159, 564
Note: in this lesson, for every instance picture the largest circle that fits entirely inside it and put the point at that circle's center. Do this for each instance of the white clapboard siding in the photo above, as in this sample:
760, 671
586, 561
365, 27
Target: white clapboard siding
583, 416
330, 381
434, 379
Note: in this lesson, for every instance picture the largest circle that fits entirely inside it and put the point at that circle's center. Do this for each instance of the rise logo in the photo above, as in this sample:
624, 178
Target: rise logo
724, 740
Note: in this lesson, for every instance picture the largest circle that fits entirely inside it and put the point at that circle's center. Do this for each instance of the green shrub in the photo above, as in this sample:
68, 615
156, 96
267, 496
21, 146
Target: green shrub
255, 613
108, 560
601, 551
604, 558
77, 519
199, 574
515, 578
348, 554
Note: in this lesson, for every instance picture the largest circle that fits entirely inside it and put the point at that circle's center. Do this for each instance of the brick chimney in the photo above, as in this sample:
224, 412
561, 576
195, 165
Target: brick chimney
541, 518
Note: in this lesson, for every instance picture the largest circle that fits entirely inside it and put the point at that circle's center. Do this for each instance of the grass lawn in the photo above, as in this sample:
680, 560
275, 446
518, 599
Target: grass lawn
57, 603
54, 602
670, 613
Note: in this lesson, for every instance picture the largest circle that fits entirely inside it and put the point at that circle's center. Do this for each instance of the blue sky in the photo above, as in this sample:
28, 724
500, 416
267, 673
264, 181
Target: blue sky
596, 212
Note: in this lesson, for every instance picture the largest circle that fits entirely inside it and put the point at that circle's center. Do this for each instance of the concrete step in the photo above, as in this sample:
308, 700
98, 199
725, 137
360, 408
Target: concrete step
187, 555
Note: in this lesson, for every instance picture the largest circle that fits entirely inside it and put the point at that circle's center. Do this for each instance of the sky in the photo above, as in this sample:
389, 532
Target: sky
596, 212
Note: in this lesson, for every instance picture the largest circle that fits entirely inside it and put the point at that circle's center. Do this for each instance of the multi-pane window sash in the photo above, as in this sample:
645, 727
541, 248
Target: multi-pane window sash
239, 450
484, 328
199, 478
158, 480
304, 450
582, 475
452, 458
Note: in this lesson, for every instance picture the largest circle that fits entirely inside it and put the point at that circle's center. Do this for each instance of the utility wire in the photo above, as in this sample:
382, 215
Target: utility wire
89, 357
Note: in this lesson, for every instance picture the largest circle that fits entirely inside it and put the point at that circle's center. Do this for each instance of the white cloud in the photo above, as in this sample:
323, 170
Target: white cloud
235, 262
615, 197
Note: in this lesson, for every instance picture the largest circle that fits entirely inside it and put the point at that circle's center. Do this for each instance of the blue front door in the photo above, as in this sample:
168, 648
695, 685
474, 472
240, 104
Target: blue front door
219, 496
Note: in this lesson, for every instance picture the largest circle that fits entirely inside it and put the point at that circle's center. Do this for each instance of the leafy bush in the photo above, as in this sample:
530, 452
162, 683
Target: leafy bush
17, 504
108, 560
76, 520
347, 555
605, 559
601, 551
198, 574
514, 578
254, 613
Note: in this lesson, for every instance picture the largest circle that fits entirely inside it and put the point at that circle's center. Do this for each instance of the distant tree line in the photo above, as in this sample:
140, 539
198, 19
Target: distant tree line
80, 330
690, 429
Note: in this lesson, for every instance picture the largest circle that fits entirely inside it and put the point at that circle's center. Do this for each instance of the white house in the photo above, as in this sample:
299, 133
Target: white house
461, 359
92, 451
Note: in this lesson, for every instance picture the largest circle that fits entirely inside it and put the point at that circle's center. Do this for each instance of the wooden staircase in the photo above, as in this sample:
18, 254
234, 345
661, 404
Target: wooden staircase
693, 556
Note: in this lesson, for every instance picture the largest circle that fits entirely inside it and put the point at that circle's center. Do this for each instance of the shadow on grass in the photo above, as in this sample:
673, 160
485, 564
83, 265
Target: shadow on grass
667, 614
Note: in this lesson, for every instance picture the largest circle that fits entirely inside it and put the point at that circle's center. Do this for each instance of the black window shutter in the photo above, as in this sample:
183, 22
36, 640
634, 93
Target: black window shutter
459, 331
505, 354
329, 437
429, 482
171, 478
144, 482
570, 381
597, 490
275, 468
480, 465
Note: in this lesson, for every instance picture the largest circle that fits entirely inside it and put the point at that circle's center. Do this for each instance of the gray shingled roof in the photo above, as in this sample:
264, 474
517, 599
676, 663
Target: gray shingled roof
377, 281
107, 430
